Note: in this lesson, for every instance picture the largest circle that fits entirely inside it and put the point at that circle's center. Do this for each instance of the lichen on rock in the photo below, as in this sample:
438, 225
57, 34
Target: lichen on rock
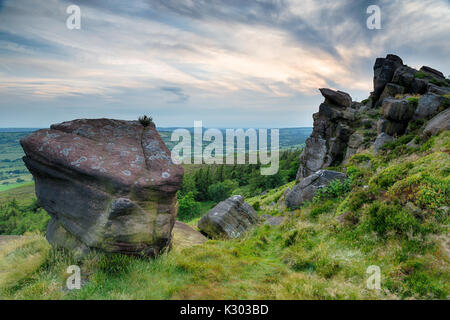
107, 184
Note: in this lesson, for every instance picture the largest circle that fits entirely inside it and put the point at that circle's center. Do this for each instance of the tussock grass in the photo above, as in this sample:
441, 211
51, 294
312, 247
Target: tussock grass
20, 258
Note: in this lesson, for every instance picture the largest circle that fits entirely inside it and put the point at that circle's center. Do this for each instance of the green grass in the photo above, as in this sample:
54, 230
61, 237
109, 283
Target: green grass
23, 193
16, 185
310, 256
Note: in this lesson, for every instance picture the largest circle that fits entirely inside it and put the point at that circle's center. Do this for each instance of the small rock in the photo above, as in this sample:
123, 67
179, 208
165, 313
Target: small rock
266, 216
183, 236
229, 219
405, 77
391, 90
275, 221
307, 188
412, 144
381, 140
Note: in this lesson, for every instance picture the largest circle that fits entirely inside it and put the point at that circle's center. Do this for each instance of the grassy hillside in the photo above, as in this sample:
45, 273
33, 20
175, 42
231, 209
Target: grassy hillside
13, 172
391, 213
24, 194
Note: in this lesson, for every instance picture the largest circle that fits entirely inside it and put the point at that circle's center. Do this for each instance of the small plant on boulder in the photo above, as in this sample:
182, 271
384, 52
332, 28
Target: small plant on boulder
145, 121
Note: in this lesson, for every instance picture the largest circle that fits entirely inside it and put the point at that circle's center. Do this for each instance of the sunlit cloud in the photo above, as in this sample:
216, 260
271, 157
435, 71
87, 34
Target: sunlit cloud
195, 54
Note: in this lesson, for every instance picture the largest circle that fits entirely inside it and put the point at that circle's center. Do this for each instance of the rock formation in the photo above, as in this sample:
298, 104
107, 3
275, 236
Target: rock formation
107, 184
401, 95
229, 219
328, 142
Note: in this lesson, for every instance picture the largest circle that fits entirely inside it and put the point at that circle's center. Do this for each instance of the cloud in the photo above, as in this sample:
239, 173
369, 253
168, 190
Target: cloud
178, 92
200, 54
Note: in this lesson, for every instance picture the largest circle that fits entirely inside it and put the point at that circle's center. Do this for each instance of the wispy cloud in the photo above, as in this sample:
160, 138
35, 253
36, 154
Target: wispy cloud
226, 56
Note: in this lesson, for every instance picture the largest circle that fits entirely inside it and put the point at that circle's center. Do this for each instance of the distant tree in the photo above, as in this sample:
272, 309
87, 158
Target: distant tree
188, 185
222, 190
188, 208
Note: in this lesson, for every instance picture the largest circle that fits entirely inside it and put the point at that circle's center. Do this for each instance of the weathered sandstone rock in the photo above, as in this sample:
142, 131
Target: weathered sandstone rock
337, 97
229, 219
328, 142
433, 72
185, 236
381, 140
107, 184
275, 221
398, 110
384, 70
438, 124
307, 188
429, 105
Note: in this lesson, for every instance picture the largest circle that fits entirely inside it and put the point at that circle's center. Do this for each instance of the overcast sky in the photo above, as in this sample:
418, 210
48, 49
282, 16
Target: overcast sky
229, 63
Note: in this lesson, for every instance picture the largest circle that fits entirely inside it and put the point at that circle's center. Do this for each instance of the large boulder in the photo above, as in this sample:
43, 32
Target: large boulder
439, 123
307, 188
392, 128
391, 90
405, 76
339, 98
398, 110
229, 219
107, 184
384, 70
433, 72
428, 106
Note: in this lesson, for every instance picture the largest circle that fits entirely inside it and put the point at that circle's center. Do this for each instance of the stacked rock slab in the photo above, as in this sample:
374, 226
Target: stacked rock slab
107, 184
229, 219
384, 70
328, 142
427, 83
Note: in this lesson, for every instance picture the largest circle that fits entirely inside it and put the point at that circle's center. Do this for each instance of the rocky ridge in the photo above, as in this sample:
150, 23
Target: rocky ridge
401, 95
403, 99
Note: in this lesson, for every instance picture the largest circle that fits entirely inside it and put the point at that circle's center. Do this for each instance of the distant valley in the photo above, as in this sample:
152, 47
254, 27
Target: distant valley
13, 172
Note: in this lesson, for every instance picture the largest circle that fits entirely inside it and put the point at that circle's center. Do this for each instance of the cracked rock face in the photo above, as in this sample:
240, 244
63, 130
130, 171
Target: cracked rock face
107, 184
